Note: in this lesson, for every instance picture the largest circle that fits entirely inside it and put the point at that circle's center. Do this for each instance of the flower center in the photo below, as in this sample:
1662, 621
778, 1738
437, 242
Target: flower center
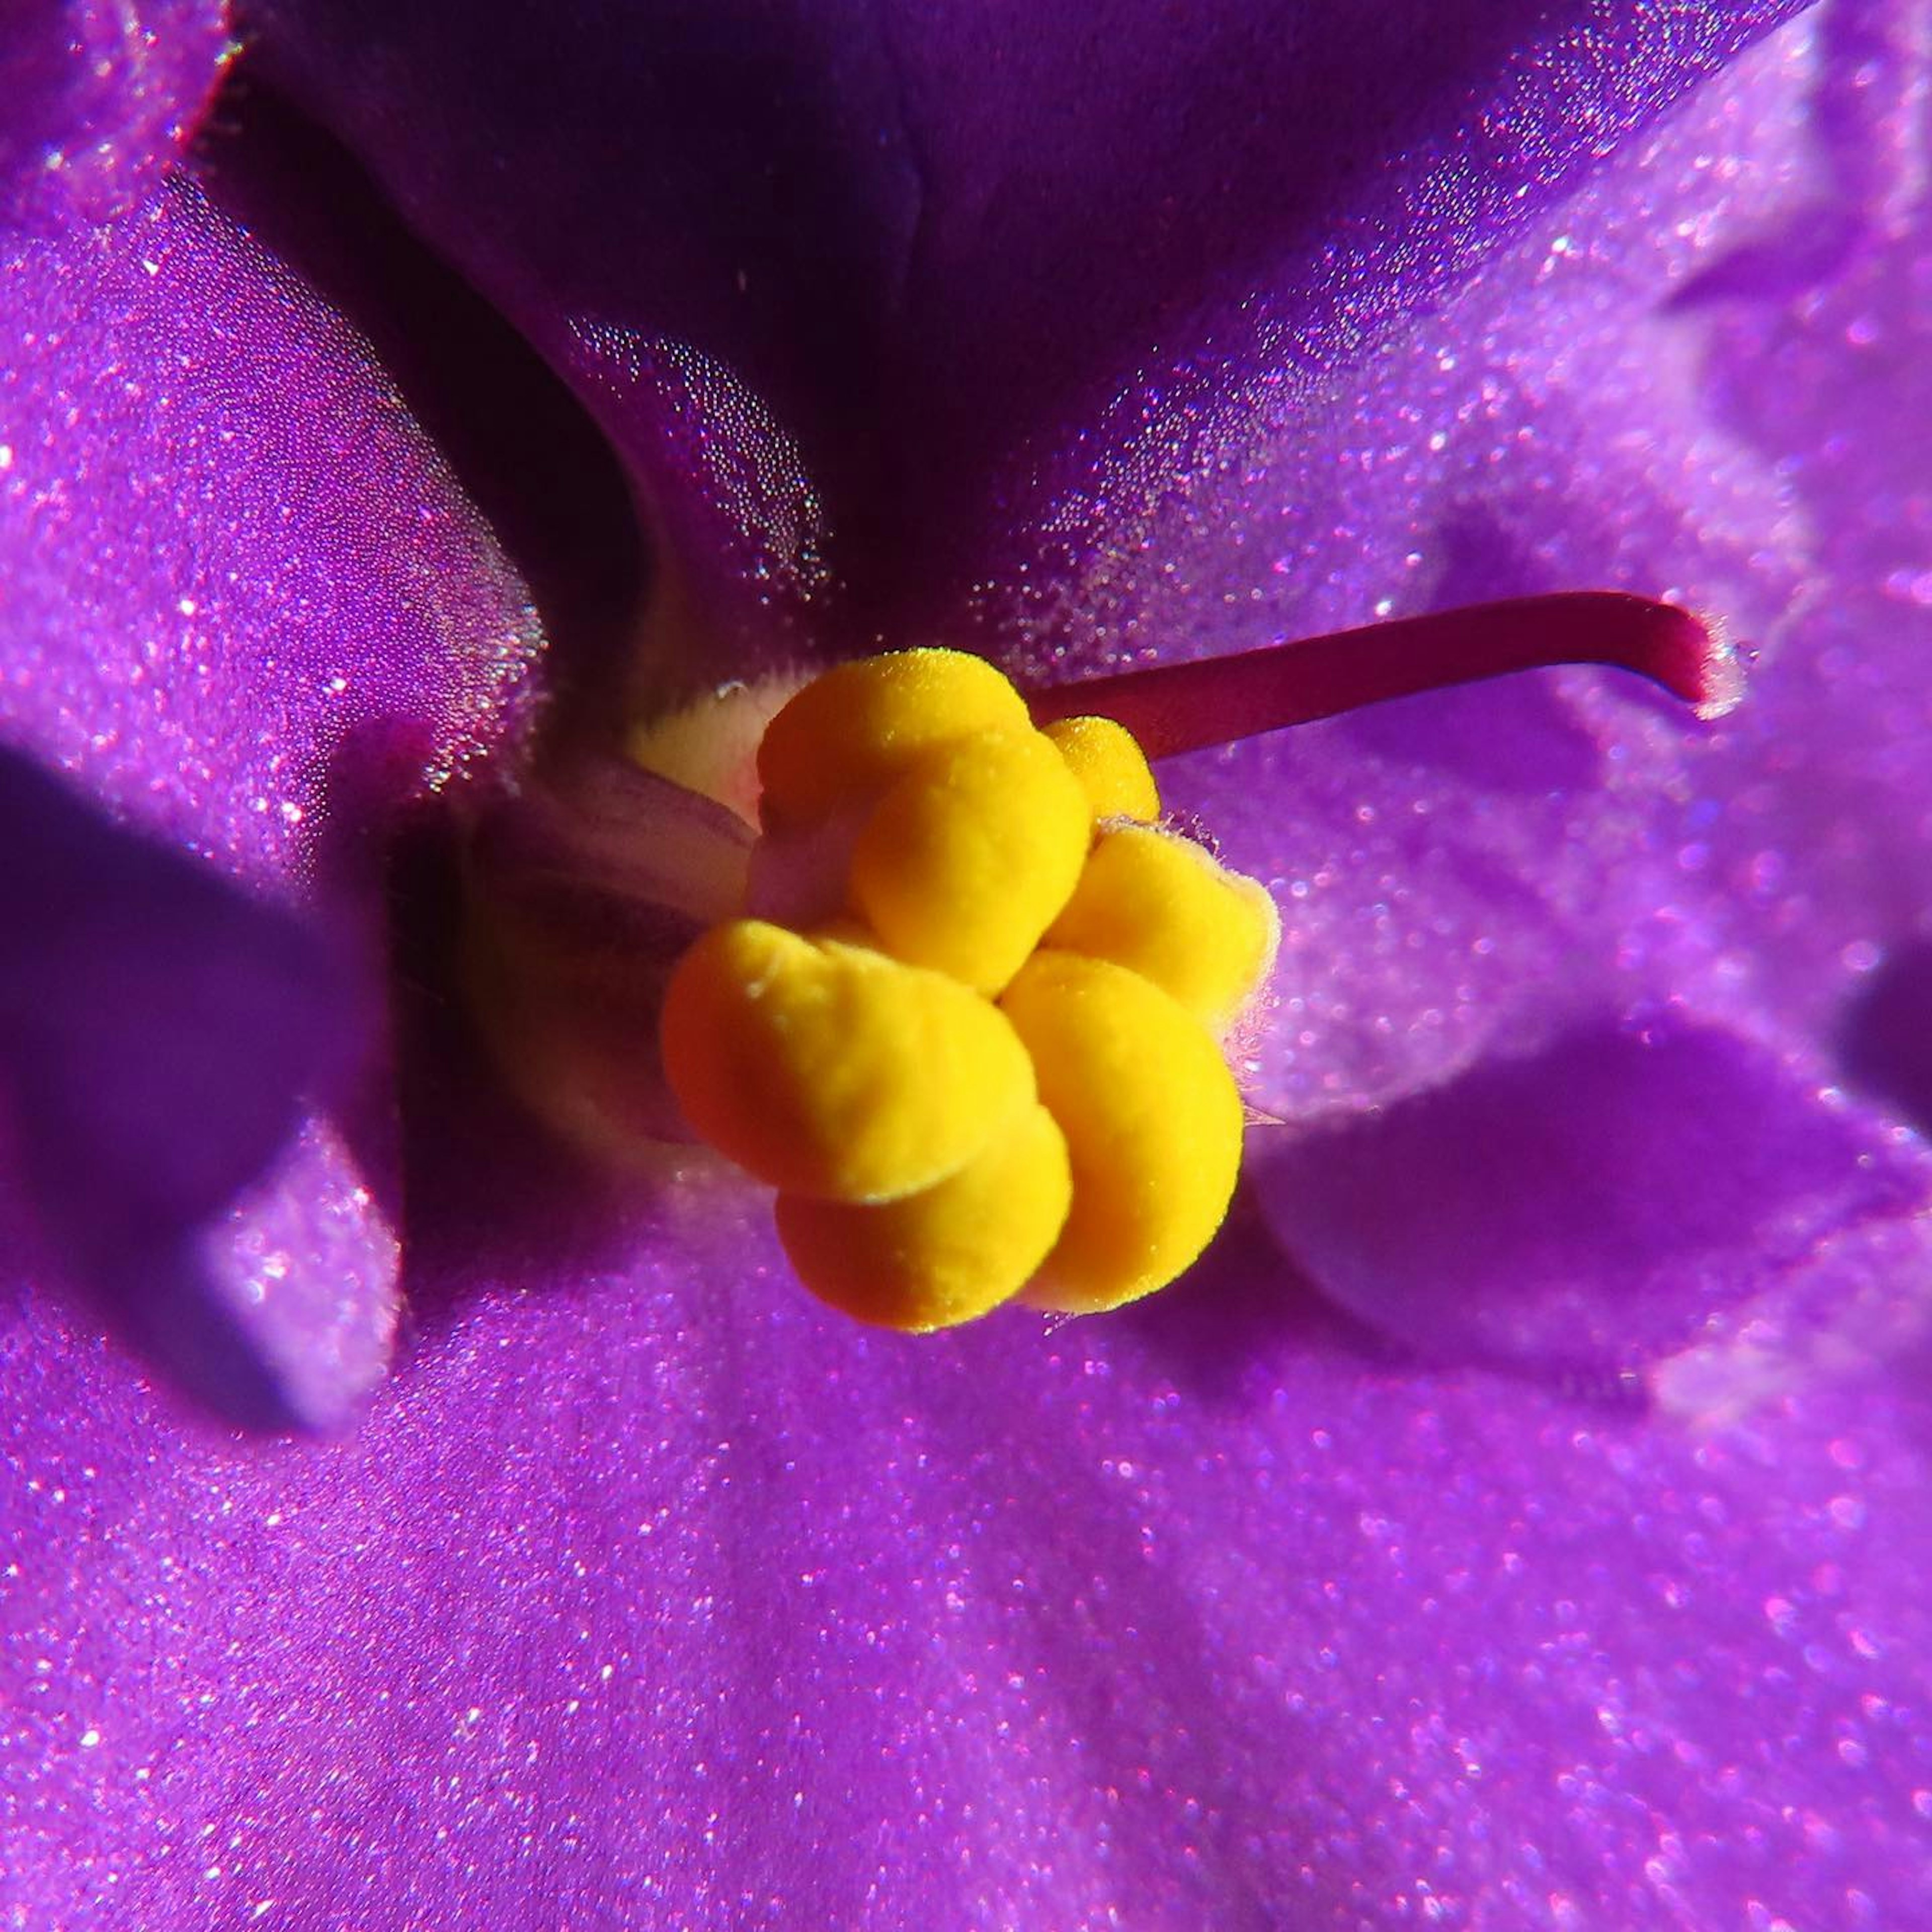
979, 1055
964, 1001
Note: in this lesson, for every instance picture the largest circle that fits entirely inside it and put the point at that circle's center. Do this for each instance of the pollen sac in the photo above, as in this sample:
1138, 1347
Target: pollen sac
1160, 905
972, 1040
850, 734
1152, 1122
831, 1071
948, 1253
1118, 780
966, 858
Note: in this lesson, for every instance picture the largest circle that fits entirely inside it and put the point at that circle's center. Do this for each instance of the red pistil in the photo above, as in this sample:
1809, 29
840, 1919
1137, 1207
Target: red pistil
1188, 707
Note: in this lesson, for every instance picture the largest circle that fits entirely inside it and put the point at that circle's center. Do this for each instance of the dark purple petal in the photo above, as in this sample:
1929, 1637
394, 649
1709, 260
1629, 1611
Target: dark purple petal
161, 1035
886, 266
157, 1022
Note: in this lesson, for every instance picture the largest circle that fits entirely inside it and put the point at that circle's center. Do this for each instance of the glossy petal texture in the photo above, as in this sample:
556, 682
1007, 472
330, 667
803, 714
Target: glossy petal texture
650, 1593
240, 588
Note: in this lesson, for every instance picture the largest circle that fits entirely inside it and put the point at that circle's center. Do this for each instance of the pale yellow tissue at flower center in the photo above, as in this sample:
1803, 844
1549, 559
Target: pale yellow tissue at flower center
830, 1071
1152, 1122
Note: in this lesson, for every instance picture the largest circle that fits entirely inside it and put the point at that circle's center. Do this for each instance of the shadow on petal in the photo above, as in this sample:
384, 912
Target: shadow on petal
493, 1195
1884, 1039
1579, 1212
1509, 735
1242, 1305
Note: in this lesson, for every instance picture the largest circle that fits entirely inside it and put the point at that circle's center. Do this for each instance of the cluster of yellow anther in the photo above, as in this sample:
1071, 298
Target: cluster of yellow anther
990, 1062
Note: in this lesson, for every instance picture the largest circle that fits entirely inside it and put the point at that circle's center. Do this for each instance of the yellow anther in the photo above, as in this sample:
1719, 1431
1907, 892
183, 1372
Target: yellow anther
1112, 770
1153, 1123
978, 1057
830, 1071
968, 857
1159, 904
946, 1254
849, 734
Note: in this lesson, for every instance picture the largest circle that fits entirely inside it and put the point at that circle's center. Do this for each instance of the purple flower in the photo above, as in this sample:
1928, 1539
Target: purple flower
1518, 1520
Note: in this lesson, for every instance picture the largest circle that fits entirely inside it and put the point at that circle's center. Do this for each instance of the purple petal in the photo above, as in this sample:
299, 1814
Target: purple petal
100, 94
648, 1592
246, 594
246, 605
160, 1036
661, 1589
158, 1021
1479, 871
